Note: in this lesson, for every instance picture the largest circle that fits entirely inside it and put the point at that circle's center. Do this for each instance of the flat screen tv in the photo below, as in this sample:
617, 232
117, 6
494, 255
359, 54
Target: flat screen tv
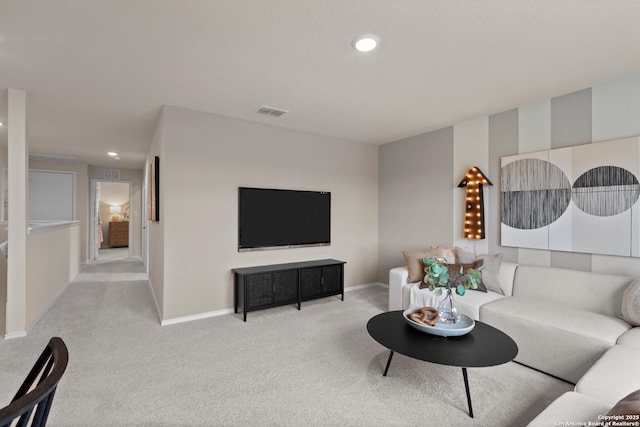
271, 218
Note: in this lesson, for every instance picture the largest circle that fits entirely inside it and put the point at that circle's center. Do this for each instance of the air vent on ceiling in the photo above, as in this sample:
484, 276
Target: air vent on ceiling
111, 174
48, 158
270, 111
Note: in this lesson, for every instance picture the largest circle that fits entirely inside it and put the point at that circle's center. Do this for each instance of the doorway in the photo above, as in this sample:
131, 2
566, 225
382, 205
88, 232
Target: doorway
110, 231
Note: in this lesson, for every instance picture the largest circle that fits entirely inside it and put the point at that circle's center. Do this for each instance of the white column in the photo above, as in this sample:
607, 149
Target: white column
18, 160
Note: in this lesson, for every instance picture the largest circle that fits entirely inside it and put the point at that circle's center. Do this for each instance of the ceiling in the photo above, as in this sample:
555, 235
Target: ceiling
97, 72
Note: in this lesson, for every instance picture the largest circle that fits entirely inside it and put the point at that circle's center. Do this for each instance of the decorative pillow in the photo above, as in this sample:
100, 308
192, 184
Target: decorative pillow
631, 303
449, 255
464, 256
414, 262
489, 270
454, 273
629, 405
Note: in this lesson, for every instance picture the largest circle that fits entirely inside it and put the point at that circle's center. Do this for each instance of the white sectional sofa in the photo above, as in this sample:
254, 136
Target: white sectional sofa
566, 323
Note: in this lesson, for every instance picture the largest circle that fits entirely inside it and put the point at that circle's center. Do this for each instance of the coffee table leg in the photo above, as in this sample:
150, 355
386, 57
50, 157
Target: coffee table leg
466, 387
388, 363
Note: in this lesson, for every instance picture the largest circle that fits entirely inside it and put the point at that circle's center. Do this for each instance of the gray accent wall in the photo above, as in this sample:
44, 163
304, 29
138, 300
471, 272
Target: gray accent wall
415, 197
416, 194
503, 141
571, 125
571, 119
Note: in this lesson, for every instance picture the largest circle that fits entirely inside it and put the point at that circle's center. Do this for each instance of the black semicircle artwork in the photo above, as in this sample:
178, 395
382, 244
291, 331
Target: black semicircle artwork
605, 191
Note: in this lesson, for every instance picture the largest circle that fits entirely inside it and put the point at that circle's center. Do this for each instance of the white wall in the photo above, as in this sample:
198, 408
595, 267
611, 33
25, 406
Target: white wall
53, 260
207, 157
155, 229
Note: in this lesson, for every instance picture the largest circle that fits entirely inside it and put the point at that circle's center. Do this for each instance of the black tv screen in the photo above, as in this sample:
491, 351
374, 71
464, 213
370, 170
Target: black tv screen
271, 218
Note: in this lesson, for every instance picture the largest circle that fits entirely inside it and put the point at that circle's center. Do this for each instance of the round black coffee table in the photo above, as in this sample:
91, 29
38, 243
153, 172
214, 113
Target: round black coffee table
483, 346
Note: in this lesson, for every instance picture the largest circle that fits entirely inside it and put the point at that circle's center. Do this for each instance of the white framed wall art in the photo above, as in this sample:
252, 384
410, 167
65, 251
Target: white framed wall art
578, 199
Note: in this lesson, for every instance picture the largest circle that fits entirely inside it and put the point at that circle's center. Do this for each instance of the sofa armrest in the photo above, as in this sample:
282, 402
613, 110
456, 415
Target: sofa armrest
506, 276
397, 280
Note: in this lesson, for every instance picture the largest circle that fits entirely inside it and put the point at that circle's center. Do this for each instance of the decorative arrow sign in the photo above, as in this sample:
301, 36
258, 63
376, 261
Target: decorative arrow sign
474, 179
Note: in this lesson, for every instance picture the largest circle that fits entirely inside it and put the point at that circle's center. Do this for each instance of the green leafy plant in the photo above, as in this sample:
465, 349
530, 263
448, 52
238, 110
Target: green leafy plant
437, 277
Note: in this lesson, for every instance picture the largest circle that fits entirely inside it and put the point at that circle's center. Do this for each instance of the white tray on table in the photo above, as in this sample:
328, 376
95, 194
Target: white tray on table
462, 327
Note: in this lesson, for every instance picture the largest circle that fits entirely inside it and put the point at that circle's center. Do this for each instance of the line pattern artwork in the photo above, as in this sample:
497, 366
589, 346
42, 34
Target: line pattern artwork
578, 199
534, 193
605, 191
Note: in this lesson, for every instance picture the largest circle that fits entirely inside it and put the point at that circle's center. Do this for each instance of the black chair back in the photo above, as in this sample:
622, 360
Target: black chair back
38, 388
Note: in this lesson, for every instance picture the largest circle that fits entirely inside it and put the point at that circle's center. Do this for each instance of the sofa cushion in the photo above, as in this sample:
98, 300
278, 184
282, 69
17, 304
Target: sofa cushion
490, 270
629, 405
414, 262
612, 377
570, 406
631, 303
598, 293
551, 337
631, 338
470, 303
506, 276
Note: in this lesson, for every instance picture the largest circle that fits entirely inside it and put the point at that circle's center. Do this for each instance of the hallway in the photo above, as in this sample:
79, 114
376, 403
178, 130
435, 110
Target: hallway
112, 265
111, 254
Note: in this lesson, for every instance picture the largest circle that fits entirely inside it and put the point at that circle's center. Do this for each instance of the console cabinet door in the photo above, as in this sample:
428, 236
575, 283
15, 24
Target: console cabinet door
285, 285
259, 290
311, 282
332, 278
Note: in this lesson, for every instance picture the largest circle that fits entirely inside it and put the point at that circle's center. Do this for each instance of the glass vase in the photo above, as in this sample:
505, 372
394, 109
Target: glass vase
447, 310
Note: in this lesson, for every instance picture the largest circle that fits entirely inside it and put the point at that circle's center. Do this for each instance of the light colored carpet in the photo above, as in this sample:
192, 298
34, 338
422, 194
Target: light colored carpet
284, 367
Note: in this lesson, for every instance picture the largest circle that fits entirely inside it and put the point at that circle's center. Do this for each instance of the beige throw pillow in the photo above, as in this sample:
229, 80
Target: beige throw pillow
414, 262
631, 303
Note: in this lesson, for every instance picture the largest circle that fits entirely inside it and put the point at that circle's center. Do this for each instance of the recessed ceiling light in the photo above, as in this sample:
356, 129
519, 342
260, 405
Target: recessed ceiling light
1, 124
112, 153
366, 42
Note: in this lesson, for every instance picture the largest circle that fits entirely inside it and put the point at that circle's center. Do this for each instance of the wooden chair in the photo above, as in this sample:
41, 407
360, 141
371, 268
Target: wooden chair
45, 375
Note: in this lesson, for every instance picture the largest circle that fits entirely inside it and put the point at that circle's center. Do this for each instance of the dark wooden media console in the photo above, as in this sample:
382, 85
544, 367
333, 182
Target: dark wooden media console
279, 284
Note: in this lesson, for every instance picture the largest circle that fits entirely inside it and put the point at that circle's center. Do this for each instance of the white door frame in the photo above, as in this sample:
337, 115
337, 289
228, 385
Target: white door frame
94, 223
145, 220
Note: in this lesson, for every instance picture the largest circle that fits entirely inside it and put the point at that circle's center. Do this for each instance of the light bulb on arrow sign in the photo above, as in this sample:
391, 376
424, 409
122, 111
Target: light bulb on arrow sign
474, 179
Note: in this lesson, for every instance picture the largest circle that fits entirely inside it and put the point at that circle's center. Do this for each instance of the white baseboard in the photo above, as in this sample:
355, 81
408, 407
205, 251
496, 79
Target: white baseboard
366, 285
231, 310
155, 301
196, 317
12, 335
44, 310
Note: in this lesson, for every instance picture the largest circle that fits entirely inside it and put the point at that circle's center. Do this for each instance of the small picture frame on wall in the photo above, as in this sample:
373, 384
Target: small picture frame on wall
153, 202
